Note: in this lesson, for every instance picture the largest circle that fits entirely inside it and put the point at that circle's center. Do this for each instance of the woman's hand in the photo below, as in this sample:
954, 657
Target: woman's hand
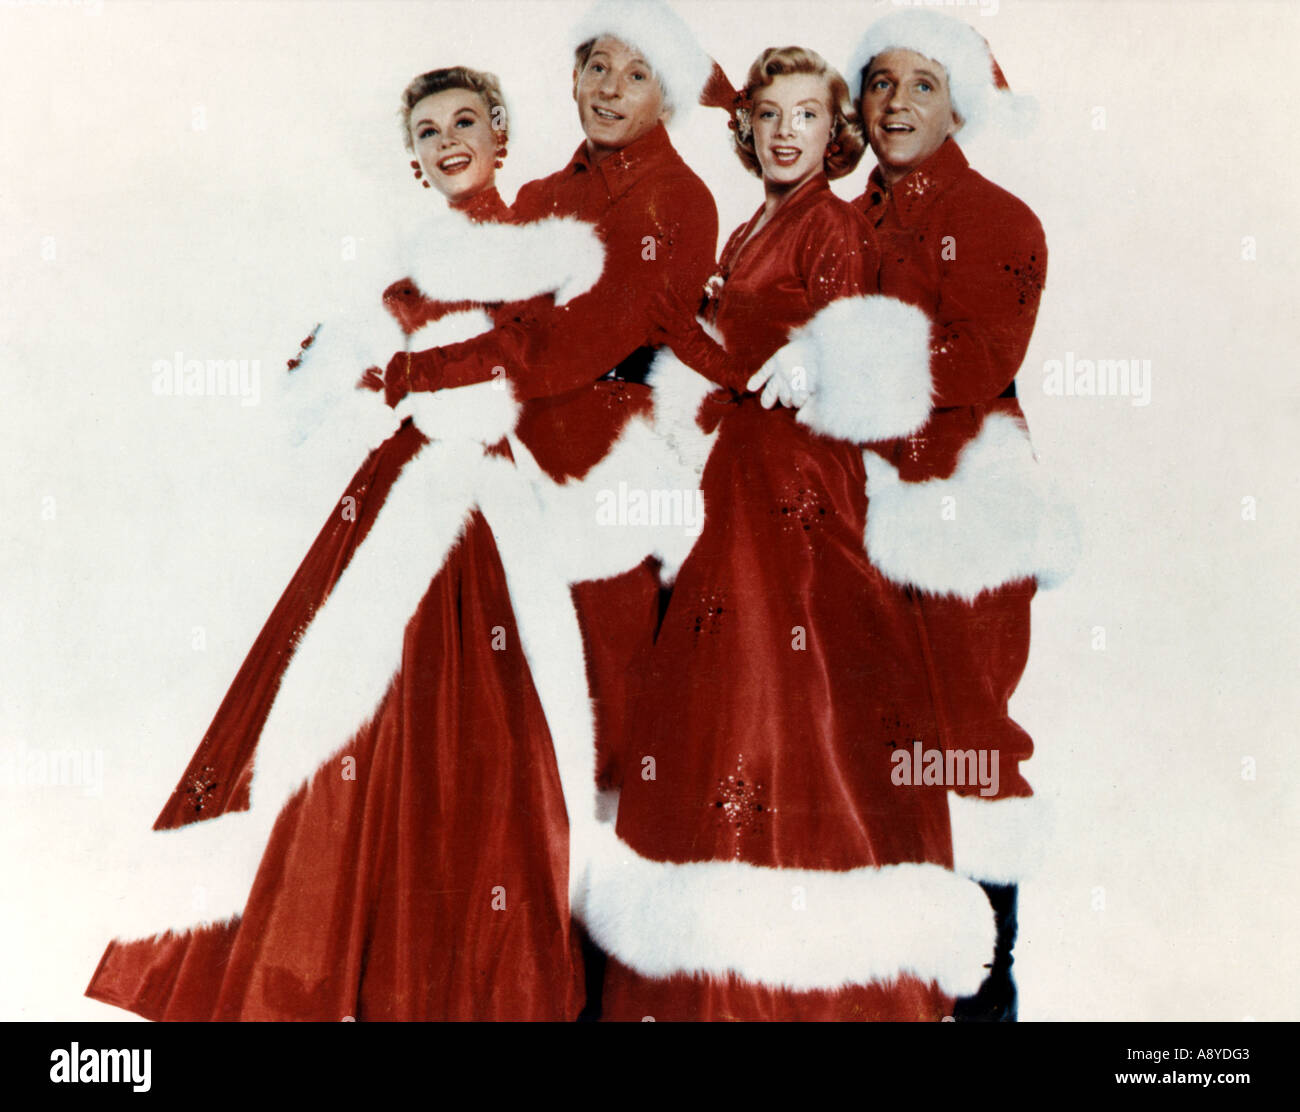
784, 377
673, 325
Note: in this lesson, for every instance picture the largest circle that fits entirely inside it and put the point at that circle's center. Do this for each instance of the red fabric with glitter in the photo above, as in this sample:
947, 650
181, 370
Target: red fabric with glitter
787, 669
659, 226
974, 258
381, 897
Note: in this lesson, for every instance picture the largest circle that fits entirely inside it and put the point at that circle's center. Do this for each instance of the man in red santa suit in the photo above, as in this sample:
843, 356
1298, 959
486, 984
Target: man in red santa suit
959, 513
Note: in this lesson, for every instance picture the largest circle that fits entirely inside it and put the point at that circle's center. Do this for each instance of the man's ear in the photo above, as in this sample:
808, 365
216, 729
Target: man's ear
957, 124
665, 109
575, 84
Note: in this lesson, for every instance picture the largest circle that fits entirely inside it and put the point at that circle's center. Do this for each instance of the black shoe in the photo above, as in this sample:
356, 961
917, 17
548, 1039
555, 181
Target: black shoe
995, 1002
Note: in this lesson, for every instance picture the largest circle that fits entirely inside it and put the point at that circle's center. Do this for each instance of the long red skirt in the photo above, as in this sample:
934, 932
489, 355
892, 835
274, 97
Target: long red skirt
427, 878
786, 674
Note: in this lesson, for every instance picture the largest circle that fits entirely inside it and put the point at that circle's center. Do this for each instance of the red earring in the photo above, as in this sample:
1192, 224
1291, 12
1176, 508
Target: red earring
502, 151
419, 174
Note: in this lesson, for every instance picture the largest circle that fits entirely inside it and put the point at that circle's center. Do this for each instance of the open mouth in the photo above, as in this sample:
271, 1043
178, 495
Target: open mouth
453, 163
605, 114
786, 156
898, 129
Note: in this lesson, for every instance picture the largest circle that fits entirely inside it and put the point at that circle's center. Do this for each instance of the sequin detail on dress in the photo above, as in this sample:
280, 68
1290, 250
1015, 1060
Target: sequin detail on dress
799, 508
742, 803
943, 343
708, 618
896, 733
201, 786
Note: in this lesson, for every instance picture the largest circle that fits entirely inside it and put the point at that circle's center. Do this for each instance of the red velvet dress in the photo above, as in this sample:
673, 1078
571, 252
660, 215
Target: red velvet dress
659, 226
433, 885
787, 669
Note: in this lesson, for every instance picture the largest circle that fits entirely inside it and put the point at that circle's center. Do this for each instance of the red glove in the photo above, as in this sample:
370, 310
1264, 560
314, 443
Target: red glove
673, 325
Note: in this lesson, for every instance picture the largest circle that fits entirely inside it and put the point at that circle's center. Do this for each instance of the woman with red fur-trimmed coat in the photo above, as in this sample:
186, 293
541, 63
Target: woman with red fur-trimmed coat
767, 864
961, 514
375, 824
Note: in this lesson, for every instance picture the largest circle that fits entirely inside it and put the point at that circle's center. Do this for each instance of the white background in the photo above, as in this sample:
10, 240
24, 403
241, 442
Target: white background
198, 166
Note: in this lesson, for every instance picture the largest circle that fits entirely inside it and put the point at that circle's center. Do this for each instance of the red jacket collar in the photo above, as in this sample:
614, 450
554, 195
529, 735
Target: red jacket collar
484, 207
621, 170
912, 195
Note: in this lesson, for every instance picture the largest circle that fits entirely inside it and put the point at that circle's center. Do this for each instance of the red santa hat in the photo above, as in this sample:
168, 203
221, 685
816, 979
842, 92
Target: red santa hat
663, 38
978, 88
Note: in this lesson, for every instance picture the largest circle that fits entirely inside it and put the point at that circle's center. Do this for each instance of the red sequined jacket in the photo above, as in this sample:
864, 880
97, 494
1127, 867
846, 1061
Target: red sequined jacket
974, 258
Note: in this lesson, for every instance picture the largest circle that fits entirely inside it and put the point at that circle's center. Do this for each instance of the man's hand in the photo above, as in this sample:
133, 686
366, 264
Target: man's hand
372, 378
395, 382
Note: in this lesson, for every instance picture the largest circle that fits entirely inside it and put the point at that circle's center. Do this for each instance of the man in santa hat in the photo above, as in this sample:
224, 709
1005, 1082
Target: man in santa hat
958, 510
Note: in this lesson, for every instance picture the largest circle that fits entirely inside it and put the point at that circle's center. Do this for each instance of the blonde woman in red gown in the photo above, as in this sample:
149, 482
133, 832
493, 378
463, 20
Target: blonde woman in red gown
767, 863
323, 858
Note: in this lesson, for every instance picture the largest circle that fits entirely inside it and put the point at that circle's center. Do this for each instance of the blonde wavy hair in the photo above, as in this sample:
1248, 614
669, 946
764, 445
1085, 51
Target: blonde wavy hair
455, 77
846, 130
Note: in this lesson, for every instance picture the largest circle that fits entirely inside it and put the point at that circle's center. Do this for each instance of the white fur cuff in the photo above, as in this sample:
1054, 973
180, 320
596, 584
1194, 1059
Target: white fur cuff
871, 375
1001, 841
455, 259
997, 520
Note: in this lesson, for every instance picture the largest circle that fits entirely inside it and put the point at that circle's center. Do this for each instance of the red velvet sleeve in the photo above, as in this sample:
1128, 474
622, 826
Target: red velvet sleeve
413, 310
663, 239
838, 257
834, 254
980, 279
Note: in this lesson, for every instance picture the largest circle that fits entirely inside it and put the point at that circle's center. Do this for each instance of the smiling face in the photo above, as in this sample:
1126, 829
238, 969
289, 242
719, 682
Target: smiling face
619, 98
792, 121
907, 110
454, 141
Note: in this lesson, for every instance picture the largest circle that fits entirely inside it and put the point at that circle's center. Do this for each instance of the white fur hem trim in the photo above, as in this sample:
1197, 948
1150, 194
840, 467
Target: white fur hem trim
870, 373
678, 393
456, 259
800, 929
997, 520
1001, 841
201, 874
484, 413
643, 498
